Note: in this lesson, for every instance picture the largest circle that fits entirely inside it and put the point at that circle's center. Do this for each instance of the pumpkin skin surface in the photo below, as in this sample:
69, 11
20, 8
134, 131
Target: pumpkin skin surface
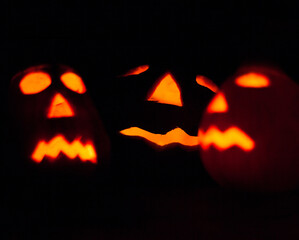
249, 132
55, 121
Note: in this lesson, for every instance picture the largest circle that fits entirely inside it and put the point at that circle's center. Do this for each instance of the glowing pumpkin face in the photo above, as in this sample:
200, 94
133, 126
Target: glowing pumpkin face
159, 125
166, 91
57, 122
249, 132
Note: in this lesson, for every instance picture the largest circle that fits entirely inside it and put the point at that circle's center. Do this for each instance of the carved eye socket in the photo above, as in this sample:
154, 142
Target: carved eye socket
137, 70
34, 82
206, 82
253, 80
73, 82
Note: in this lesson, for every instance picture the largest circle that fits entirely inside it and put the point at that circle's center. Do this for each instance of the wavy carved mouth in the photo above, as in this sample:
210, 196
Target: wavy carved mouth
176, 135
233, 136
58, 144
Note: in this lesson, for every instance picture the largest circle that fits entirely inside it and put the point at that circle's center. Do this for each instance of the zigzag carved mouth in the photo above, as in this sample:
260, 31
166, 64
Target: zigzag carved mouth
233, 136
58, 144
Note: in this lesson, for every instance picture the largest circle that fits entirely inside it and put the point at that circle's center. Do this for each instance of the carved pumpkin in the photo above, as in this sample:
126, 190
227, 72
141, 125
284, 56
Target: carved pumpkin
159, 125
249, 132
55, 120
166, 91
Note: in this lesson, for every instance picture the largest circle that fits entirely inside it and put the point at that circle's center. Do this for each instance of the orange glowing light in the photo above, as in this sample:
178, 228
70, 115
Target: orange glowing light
224, 140
86, 152
218, 104
34, 82
60, 107
167, 92
73, 82
136, 71
206, 82
176, 135
253, 80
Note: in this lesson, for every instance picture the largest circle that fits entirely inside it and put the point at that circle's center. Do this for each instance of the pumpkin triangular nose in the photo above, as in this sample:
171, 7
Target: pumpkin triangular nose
167, 92
218, 104
60, 107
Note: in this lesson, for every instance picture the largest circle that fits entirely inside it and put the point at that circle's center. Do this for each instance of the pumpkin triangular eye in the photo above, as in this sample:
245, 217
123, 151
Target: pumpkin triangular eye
166, 91
218, 104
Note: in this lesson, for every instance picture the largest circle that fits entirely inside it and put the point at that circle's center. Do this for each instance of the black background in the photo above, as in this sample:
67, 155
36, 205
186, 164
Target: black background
103, 39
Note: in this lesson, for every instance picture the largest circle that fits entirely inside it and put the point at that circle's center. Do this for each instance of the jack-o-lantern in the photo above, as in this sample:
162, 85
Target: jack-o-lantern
55, 121
166, 91
249, 133
159, 125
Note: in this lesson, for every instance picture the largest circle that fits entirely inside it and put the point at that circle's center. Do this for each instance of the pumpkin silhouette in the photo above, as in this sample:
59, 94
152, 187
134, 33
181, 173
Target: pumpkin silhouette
158, 121
55, 120
249, 132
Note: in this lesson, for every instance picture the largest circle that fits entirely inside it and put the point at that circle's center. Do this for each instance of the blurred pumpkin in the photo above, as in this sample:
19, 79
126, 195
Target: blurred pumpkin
249, 132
